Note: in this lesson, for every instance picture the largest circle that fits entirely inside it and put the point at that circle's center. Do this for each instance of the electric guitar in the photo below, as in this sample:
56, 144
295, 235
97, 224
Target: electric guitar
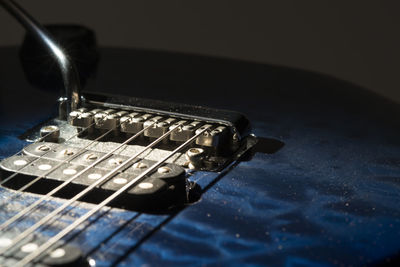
309, 176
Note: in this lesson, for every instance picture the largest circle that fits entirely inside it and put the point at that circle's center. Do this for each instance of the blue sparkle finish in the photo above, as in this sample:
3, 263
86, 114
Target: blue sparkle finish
328, 197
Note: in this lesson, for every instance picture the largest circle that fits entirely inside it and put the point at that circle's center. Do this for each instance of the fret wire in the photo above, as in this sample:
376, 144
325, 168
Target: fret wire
36, 159
49, 216
83, 218
65, 183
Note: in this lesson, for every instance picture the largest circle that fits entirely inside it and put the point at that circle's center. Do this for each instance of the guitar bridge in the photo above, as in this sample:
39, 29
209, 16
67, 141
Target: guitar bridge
111, 142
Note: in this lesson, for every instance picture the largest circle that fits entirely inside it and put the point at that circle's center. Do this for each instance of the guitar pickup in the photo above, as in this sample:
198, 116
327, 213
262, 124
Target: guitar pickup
62, 255
160, 190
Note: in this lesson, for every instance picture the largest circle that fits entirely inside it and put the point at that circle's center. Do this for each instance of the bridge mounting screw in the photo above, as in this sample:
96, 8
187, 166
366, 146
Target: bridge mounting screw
50, 133
195, 156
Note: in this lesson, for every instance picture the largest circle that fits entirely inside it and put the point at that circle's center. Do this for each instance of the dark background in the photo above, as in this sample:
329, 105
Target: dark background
357, 41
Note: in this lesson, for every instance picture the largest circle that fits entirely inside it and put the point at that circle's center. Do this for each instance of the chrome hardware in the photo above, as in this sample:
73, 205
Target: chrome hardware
109, 119
133, 123
185, 131
70, 76
50, 133
214, 145
195, 157
213, 137
159, 128
82, 118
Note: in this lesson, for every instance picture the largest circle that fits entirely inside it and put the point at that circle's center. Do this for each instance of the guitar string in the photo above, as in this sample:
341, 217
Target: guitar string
109, 237
78, 153
103, 179
109, 249
41, 249
37, 158
5, 224
35, 142
21, 152
65, 183
52, 169
68, 160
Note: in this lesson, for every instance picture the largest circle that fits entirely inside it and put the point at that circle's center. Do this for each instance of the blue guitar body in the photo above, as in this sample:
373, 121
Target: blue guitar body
326, 196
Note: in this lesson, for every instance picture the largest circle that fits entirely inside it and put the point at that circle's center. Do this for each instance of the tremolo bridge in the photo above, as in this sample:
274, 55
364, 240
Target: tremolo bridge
149, 147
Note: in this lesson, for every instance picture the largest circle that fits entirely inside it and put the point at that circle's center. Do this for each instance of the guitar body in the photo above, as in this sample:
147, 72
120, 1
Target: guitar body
321, 189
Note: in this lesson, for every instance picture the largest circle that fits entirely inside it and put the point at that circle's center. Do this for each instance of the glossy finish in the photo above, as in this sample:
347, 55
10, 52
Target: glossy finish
329, 196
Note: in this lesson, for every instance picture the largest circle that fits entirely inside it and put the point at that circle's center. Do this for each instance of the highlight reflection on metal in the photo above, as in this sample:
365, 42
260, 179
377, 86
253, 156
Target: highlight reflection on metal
329, 196
67, 67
